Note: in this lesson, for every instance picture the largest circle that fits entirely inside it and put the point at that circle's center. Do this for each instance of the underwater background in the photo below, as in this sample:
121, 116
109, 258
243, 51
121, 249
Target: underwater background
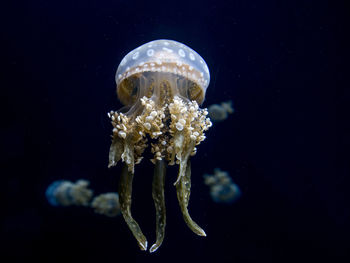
278, 61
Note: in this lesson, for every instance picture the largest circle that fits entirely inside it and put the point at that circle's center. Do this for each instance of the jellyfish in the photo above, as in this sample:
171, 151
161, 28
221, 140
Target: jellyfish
106, 204
66, 193
220, 112
222, 188
161, 85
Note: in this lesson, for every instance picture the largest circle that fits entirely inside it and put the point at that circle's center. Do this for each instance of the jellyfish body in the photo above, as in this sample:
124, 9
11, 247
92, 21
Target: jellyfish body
222, 188
66, 193
106, 204
220, 112
225, 193
161, 84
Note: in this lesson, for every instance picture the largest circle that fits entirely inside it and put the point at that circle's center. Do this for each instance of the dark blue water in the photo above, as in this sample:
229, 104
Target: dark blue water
279, 61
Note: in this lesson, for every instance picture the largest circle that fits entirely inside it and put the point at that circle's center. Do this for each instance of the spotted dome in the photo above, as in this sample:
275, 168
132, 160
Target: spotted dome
165, 56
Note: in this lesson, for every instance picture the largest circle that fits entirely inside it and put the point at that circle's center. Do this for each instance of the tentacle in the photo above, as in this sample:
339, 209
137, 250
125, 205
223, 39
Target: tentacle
183, 188
159, 202
125, 191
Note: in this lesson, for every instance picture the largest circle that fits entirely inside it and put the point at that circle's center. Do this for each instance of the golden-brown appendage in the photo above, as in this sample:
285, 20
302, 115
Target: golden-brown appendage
159, 202
196, 93
183, 189
125, 92
125, 191
174, 127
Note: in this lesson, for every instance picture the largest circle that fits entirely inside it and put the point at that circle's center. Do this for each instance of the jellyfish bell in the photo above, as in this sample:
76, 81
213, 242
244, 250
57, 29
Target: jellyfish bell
144, 70
218, 113
161, 84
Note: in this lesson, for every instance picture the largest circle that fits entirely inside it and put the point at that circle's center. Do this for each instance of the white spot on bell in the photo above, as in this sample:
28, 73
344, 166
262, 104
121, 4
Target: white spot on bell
150, 52
181, 53
192, 57
136, 55
168, 50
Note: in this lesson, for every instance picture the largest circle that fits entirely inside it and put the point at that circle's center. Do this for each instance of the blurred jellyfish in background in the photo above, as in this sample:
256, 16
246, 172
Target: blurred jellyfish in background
218, 113
66, 193
106, 204
222, 188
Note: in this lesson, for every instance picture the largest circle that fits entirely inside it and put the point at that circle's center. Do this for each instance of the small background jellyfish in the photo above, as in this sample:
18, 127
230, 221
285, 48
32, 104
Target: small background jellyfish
66, 193
218, 113
222, 188
106, 204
